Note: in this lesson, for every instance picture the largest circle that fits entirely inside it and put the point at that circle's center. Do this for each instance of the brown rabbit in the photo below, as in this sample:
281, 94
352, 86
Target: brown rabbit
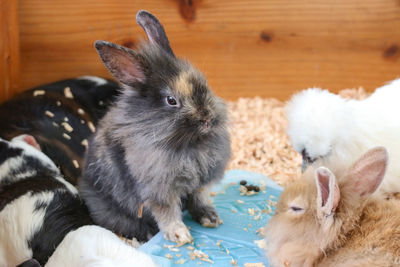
322, 220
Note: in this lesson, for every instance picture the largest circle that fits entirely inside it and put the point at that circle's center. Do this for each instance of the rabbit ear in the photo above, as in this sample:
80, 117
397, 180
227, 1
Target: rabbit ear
367, 173
123, 63
154, 30
328, 191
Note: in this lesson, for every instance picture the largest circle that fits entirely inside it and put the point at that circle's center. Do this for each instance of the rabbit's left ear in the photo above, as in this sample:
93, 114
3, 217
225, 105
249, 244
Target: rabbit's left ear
328, 191
154, 30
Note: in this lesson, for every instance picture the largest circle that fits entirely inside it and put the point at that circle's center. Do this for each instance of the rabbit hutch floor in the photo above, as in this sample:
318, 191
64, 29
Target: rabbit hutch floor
259, 140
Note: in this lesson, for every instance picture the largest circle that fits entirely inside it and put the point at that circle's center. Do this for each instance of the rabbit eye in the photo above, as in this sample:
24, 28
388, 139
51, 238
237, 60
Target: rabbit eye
296, 209
171, 101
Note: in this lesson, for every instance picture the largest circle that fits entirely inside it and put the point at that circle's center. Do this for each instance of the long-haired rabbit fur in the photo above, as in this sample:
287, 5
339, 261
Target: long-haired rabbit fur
323, 220
162, 143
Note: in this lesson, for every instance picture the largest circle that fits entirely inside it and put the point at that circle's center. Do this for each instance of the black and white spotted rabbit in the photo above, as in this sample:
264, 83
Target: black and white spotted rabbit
61, 116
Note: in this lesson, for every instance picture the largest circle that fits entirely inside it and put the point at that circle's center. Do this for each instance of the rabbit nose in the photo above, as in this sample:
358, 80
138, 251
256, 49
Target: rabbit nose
206, 122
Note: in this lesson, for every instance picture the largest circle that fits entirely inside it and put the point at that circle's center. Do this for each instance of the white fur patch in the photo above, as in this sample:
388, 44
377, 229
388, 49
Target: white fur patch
97, 80
95, 246
18, 223
9, 165
69, 186
31, 151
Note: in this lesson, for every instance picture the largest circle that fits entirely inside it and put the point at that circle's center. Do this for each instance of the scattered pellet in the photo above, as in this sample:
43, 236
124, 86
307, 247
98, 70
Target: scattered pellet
251, 211
169, 256
49, 114
233, 262
233, 210
181, 261
55, 124
101, 103
240, 201
58, 103
68, 93
85, 143
213, 194
76, 164
81, 111
67, 127
178, 255
91, 127
190, 248
66, 136
82, 121
66, 119
260, 243
38, 92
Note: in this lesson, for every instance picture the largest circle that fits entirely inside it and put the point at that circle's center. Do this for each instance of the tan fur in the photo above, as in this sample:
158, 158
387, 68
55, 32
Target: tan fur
182, 83
363, 230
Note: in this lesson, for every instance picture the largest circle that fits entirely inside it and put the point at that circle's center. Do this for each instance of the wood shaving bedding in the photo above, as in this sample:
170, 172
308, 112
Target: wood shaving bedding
259, 140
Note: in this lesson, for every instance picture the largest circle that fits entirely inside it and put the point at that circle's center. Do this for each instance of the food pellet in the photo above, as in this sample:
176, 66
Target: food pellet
67, 127
58, 103
76, 164
49, 114
91, 127
66, 119
85, 143
68, 93
66, 136
39, 92
169, 256
181, 261
55, 124
82, 121
81, 111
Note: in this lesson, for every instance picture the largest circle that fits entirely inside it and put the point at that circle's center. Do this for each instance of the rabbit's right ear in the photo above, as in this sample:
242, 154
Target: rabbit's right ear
367, 173
123, 63
328, 191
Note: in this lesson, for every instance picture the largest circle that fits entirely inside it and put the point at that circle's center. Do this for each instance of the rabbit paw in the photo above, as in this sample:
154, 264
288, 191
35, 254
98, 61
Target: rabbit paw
210, 218
178, 233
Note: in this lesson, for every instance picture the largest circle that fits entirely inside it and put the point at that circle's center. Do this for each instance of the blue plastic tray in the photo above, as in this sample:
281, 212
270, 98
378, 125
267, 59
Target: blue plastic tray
231, 241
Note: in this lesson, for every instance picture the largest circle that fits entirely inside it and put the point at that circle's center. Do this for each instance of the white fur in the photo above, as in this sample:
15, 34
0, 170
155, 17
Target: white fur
18, 223
340, 130
7, 166
31, 151
97, 80
94, 246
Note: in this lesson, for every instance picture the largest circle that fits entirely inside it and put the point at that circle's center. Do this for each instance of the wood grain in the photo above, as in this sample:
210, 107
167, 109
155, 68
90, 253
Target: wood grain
9, 48
246, 48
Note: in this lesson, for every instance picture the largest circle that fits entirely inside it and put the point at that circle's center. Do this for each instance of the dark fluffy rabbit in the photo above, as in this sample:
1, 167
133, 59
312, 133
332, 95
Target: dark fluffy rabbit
37, 206
61, 116
162, 143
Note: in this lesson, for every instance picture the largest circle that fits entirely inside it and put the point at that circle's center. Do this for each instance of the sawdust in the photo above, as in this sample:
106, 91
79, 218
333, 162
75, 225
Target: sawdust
259, 140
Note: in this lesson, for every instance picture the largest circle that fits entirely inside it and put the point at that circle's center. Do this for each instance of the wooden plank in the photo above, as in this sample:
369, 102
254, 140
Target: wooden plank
9, 48
246, 48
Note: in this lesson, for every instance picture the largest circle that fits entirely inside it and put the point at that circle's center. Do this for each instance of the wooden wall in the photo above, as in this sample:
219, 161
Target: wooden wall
269, 48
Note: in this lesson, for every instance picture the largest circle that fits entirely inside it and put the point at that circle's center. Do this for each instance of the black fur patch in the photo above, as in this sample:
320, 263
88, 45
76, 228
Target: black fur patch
64, 214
